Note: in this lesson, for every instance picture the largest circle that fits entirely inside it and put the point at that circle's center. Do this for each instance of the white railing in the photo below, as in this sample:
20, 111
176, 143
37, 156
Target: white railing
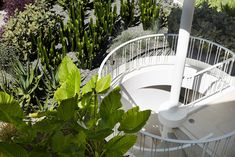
214, 61
138, 53
152, 145
208, 82
215, 64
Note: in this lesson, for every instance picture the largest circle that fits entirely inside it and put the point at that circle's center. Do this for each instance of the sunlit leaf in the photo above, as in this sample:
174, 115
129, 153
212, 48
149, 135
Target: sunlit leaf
119, 145
103, 84
10, 110
133, 120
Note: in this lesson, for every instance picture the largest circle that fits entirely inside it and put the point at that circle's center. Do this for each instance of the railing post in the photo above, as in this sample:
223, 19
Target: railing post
178, 71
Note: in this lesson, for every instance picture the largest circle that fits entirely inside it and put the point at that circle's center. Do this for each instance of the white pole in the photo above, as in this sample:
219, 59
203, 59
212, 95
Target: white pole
181, 52
169, 114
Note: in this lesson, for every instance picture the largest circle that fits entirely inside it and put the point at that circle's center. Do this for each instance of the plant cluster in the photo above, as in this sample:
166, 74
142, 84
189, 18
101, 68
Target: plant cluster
149, 13
80, 126
127, 12
23, 26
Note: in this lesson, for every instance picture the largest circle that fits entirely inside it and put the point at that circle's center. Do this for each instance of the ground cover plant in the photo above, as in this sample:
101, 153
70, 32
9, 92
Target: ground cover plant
79, 126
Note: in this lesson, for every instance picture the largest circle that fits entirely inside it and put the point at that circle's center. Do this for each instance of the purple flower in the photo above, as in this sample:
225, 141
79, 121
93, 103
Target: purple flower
11, 5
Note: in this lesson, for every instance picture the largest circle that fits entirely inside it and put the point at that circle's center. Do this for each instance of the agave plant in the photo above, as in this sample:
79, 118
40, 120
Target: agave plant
26, 82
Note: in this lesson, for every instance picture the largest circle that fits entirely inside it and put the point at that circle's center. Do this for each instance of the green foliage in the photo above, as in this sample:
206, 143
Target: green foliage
227, 6
209, 24
26, 82
87, 41
127, 12
24, 85
149, 13
80, 126
20, 28
10, 111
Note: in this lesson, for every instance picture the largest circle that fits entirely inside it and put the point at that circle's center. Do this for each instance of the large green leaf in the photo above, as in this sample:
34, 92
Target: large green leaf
133, 120
67, 109
70, 87
99, 134
119, 145
61, 142
12, 150
90, 85
65, 69
10, 110
110, 111
103, 84
38, 154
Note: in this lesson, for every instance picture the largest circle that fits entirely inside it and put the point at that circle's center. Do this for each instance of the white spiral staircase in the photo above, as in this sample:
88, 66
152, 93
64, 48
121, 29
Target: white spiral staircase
143, 68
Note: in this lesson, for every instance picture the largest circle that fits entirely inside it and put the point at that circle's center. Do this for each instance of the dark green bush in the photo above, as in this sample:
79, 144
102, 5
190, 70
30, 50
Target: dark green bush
226, 6
207, 23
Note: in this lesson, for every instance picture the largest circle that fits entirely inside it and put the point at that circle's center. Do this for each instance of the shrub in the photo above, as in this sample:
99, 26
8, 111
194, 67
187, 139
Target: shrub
207, 23
12, 5
23, 26
227, 6
80, 126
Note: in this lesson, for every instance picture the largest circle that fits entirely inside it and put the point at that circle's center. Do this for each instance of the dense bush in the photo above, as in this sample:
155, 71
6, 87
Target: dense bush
80, 126
209, 24
23, 26
227, 6
11, 6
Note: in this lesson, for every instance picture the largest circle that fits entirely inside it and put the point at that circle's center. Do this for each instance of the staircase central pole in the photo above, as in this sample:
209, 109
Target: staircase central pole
170, 115
182, 49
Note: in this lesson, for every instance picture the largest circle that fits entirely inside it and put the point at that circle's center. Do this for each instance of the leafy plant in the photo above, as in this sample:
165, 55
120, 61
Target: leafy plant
23, 26
25, 85
82, 125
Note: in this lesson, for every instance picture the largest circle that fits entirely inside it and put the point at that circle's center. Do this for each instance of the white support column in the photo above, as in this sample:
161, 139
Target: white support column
170, 115
182, 49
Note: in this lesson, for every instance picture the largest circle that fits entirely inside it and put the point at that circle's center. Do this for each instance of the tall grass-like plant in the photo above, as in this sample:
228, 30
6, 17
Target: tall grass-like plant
80, 126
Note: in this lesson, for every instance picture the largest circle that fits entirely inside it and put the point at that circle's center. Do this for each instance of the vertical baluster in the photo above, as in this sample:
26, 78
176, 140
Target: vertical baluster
225, 147
202, 48
215, 148
204, 149
217, 55
143, 147
199, 49
230, 71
